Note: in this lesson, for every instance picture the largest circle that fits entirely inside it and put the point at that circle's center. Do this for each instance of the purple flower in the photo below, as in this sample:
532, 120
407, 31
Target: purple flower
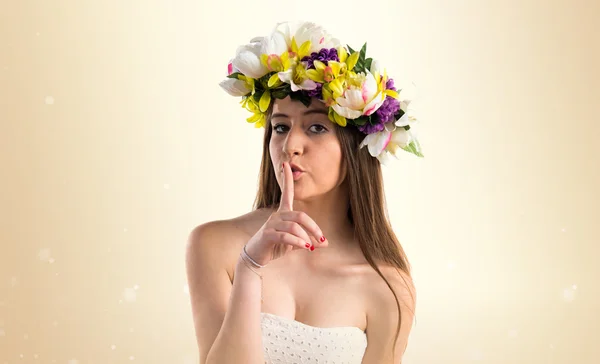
324, 55
370, 129
388, 109
316, 92
390, 85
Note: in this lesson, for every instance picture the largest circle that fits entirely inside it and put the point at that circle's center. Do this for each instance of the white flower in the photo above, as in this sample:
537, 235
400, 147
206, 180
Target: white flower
303, 31
387, 142
297, 78
247, 60
318, 37
235, 87
392, 139
400, 138
378, 141
408, 118
276, 43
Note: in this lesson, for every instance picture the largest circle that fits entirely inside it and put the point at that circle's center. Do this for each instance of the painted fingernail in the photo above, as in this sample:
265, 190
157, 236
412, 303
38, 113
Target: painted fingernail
312, 247
322, 239
307, 245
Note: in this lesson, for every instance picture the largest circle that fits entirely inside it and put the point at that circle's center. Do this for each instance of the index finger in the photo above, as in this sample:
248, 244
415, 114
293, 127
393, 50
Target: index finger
287, 190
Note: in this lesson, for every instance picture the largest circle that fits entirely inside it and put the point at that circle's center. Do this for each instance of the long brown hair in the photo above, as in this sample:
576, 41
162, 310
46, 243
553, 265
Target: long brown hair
367, 203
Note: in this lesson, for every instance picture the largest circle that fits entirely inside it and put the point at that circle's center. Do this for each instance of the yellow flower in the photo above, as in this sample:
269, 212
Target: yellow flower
324, 72
337, 118
259, 118
297, 77
382, 79
304, 49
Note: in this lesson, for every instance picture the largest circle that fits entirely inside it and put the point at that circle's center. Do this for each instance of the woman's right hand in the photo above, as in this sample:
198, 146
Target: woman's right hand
286, 229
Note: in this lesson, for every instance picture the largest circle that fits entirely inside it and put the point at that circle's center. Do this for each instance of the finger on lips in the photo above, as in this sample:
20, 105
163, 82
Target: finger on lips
286, 204
287, 193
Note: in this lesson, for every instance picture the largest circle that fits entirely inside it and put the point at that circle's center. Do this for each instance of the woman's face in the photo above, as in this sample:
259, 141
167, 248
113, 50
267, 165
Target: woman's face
307, 138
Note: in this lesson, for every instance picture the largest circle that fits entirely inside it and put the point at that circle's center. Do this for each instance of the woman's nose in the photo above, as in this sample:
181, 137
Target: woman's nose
294, 142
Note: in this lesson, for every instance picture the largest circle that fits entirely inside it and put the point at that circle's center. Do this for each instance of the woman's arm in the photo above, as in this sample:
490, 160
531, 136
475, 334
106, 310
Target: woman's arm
226, 316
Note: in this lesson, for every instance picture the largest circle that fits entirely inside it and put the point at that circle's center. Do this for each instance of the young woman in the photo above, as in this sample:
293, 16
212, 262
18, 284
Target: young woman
314, 273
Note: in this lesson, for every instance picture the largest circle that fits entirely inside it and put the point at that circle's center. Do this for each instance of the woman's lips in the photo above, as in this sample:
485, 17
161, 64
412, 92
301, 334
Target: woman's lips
297, 174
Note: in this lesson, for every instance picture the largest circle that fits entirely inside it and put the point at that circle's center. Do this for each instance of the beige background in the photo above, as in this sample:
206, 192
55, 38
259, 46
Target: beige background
116, 140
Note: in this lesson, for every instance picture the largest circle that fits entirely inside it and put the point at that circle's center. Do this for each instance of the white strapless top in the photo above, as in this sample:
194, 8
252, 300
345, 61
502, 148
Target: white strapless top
287, 341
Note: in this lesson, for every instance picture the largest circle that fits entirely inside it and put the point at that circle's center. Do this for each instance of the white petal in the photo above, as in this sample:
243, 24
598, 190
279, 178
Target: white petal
384, 157
375, 104
346, 112
317, 35
231, 68
234, 87
403, 121
274, 44
376, 66
285, 76
305, 31
247, 60
293, 86
287, 29
368, 139
369, 88
401, 137
308, 85
377, 142
351, 99
404, 104
333, 43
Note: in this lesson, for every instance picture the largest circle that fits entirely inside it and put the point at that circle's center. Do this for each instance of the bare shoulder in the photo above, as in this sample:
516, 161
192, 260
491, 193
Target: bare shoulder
243, 224
400, 281
380, 297
220, 241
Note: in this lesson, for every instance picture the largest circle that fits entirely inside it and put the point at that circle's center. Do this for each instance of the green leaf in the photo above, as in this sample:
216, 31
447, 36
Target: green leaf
399, 114
264, 80
414, 148
363, 51
279, 93
350, 49
362, 120
285, 87
234, 75
257, 95
368, 63
361, 63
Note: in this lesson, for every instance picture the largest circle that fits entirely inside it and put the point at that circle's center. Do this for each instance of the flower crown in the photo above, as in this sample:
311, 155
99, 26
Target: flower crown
303, 61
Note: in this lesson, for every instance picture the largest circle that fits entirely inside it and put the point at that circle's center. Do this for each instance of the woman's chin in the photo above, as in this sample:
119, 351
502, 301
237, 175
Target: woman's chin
302, 194
306, 195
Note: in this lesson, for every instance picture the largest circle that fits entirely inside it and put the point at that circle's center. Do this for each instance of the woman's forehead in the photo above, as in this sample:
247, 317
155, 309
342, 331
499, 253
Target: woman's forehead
294, 108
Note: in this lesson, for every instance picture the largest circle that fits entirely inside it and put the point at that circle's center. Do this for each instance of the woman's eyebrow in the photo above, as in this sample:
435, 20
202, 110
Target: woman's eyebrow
279, 115
307, 112
316, 111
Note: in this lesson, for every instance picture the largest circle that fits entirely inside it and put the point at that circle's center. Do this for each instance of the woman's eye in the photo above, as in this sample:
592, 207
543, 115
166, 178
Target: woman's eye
316, 128
319, 128
277, 128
